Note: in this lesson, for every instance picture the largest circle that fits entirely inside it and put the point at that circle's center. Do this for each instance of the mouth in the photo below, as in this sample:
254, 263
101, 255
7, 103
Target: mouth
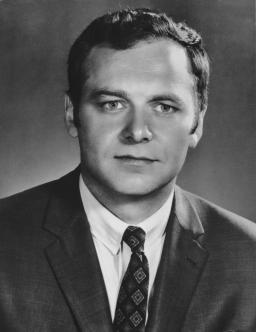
135, 160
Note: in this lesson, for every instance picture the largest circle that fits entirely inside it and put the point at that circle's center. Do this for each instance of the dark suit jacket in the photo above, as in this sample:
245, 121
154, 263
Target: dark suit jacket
50, 278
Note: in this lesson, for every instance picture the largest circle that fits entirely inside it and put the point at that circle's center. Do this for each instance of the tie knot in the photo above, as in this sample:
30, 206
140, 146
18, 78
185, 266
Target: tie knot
135, 238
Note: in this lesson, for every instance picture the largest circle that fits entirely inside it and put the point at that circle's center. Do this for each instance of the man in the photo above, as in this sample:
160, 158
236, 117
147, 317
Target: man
116, 245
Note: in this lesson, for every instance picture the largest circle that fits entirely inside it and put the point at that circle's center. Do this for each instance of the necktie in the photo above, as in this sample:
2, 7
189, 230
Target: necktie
130, 314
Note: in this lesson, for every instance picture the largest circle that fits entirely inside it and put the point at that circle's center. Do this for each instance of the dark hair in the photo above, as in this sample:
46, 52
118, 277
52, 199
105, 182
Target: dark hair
122, 30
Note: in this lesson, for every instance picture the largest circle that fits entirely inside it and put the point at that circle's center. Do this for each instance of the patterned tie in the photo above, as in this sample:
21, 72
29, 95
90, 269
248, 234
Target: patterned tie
131, 305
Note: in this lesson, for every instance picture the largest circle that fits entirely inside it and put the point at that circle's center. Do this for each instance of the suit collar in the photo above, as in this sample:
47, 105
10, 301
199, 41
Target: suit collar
73, 258
180, 269
187, 215
109, 229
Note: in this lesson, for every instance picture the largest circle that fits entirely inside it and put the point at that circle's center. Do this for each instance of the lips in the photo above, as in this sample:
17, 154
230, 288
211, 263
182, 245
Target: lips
137, 160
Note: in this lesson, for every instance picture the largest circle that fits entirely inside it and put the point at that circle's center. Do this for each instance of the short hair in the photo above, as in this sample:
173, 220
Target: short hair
121, 30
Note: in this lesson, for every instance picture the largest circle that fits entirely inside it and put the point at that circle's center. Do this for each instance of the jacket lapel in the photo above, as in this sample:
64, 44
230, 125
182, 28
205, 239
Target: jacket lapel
180, 268
74, 262
73, 258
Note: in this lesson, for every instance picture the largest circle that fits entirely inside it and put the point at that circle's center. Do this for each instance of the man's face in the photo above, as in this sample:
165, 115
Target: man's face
137, 109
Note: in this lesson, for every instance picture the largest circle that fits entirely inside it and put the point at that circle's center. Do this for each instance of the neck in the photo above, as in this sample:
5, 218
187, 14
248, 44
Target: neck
131, 209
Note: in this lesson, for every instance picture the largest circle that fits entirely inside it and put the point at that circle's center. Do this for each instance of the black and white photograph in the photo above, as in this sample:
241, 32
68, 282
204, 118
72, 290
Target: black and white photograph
128, 166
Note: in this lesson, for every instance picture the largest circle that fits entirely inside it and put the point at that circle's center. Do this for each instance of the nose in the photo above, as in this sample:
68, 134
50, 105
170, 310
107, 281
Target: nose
136, 128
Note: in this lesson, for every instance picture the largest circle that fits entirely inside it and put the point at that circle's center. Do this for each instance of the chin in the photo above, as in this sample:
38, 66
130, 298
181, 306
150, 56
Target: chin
137, 188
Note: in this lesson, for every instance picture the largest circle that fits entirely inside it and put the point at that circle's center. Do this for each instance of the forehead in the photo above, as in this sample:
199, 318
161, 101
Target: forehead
147, 62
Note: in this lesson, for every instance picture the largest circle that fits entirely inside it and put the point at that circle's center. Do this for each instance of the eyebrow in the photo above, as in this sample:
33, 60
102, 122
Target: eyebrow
95, 93
171, 97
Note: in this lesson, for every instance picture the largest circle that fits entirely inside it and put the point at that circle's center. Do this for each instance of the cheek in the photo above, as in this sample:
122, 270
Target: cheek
176, 144
95, 139
89, 141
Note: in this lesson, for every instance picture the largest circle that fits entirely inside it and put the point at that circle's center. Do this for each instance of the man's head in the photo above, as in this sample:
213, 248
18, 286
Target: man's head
137, 99
121, 30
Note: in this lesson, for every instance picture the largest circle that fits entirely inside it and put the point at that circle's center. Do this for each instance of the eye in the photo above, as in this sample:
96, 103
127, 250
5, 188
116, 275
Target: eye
165, 108
112, 106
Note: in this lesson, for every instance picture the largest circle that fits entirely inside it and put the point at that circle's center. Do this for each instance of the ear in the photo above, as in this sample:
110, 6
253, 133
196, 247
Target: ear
197, 134
69, 117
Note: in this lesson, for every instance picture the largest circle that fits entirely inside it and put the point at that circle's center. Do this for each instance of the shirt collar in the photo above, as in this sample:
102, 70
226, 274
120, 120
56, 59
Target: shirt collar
109, 229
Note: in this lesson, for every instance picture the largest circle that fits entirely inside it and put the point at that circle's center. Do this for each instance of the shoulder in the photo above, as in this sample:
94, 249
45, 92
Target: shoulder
21, 218
230, 242
26, 210
25, 202
221, 224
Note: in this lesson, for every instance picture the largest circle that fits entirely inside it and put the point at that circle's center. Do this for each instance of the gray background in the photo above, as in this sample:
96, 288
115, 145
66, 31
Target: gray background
35, 37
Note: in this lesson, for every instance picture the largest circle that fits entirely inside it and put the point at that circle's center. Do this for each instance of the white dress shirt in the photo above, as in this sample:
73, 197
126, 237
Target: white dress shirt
107, 231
